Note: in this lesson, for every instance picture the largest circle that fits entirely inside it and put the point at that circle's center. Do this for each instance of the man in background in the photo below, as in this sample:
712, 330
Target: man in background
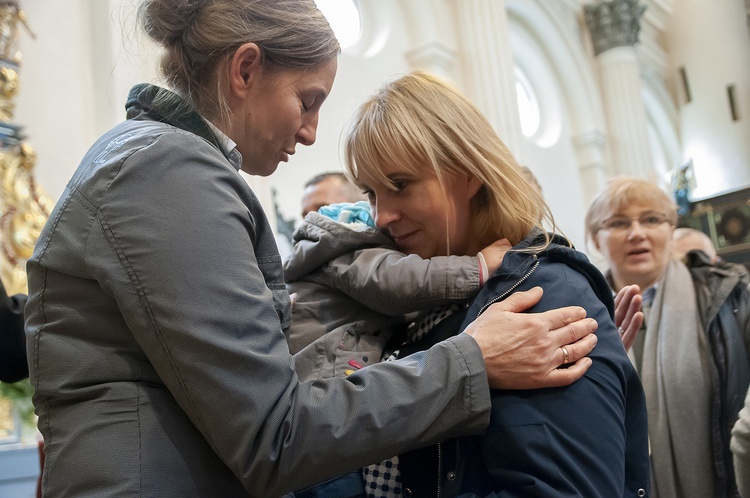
329, 188
687, 239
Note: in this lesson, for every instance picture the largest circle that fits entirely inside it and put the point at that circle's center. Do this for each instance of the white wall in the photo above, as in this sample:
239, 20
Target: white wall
711, 41
74, 78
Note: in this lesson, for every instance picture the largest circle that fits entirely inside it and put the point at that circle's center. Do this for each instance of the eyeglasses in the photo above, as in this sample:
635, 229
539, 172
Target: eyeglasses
649, 221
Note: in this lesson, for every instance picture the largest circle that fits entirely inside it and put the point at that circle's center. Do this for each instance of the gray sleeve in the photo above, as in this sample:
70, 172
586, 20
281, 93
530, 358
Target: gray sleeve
186, 275
740, 445
394, 283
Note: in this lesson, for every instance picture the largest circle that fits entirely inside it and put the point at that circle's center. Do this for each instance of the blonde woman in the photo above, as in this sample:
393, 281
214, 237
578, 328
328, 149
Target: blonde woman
693, 354
441, 182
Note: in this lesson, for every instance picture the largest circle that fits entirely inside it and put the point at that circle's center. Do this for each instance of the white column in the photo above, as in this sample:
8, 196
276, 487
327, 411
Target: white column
433, 57
431, 38
486, 52
614, 27
625, 111
592, 166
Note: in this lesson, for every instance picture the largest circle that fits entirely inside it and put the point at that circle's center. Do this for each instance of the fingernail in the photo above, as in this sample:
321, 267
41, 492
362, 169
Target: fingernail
594, 340
593, 325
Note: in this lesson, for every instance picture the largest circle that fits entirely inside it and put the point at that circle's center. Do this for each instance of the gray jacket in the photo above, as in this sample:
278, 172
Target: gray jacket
154, 329
352, 286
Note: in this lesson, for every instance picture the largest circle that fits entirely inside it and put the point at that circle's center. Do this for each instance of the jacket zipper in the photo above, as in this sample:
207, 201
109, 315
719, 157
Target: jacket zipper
482, 310
440, 467
512, 288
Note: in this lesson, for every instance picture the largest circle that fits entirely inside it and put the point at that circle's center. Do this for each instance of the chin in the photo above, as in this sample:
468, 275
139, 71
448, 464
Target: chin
259, 170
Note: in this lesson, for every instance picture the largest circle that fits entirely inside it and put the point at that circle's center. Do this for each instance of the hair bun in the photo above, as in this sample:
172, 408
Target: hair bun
164, 21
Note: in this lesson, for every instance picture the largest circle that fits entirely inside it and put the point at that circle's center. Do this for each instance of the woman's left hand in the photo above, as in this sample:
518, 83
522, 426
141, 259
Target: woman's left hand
494, 253
628, 314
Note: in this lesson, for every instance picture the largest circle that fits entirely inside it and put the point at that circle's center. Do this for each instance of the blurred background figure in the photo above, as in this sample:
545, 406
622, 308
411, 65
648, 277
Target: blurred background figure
685, 240
329, 188
692, 354
13, 366
531, 178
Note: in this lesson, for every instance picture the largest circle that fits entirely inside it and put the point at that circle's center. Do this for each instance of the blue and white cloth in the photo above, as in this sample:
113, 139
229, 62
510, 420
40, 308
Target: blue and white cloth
347, 212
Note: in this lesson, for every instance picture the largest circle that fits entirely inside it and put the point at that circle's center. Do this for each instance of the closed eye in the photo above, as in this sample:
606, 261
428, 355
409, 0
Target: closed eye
399, 185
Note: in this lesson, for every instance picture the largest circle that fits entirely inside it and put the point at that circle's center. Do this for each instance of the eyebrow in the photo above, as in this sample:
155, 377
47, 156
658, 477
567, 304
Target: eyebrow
648, 211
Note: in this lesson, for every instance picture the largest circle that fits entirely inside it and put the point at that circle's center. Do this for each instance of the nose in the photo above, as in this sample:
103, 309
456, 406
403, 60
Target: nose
636, 230
308, 131
384, 213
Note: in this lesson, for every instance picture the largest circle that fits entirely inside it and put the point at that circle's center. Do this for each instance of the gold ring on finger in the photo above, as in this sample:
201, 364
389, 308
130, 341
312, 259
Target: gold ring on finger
565, 355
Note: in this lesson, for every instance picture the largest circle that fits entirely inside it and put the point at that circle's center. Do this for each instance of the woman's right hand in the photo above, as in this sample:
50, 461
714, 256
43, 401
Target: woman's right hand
628, 314
525, 350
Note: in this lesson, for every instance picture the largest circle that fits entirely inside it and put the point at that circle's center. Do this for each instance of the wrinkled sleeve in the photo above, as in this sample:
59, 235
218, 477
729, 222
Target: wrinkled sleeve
394, 283
188, 282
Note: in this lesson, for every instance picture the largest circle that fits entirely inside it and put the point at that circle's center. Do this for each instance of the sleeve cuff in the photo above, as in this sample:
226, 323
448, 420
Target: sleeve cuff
483, 270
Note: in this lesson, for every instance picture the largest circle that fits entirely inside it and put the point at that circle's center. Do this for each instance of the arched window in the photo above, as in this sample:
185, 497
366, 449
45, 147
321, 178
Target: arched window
528, 105
343, 15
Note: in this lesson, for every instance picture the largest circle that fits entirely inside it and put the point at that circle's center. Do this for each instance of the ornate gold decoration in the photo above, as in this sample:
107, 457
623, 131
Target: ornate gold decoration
24, 207
8, 425
10, 15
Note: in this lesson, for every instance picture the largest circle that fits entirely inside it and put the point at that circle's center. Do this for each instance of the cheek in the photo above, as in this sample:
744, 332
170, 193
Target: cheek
606, 245
665, 245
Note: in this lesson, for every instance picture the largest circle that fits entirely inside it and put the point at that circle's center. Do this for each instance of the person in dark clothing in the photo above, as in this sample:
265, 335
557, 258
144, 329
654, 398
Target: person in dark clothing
13, 365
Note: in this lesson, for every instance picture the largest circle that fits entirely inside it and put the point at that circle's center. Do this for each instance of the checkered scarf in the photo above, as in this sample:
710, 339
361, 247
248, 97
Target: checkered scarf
383, 480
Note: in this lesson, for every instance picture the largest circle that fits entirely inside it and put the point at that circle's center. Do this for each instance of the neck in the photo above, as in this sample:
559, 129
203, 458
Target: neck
644, 282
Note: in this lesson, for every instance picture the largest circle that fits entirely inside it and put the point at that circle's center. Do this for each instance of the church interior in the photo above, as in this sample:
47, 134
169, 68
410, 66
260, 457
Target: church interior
581, 91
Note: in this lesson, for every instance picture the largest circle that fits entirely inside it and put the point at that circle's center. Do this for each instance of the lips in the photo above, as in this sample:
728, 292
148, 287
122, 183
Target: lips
403, 238
638, 252
285, 155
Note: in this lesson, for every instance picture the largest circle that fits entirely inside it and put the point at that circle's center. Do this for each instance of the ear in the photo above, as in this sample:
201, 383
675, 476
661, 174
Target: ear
473, 184
244, 66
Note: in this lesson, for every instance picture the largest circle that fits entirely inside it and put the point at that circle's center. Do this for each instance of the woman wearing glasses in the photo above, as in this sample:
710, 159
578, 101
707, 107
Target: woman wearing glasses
692, 353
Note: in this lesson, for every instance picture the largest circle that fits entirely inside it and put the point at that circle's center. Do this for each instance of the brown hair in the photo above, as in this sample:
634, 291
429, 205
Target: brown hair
419, 121
200, 36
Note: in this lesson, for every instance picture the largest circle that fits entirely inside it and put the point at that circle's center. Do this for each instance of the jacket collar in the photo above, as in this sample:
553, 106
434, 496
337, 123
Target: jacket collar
167, 107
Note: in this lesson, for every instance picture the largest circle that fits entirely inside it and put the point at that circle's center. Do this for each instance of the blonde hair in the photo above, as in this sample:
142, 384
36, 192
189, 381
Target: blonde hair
418, 122
200, 36
623, 191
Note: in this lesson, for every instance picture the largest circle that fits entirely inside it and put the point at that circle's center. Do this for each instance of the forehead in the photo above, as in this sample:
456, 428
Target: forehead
633, 197
633, 209
323, 187
318, 78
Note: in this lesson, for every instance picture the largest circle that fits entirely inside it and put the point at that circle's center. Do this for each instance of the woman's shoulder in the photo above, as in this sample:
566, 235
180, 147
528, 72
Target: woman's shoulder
554, 266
